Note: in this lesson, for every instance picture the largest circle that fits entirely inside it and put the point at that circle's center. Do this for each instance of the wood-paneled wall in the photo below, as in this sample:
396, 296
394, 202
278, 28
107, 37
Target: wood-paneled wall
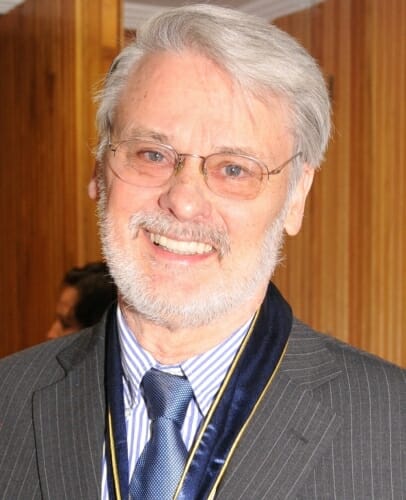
346, 272
52, 52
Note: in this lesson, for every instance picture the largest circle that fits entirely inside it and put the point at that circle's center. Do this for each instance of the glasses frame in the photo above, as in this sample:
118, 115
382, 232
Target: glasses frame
180, 162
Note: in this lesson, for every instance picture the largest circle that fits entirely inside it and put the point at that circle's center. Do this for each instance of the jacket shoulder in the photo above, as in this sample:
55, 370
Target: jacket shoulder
36, 397
305, 340
25, 371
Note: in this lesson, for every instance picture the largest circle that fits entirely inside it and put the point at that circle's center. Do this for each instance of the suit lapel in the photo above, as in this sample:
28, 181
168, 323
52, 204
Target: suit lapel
69, 422
290, 429
248, 377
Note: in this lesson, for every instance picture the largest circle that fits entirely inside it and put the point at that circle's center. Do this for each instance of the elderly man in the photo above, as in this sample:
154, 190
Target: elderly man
201, 384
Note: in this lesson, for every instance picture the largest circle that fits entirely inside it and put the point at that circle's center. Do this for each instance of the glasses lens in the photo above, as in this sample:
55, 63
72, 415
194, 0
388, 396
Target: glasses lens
143, 163
233, 176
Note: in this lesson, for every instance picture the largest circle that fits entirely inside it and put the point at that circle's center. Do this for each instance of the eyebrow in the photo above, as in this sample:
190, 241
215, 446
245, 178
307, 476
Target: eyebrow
147, 134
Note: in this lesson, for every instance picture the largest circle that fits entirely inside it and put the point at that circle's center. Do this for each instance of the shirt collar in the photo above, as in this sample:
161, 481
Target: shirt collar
205, 372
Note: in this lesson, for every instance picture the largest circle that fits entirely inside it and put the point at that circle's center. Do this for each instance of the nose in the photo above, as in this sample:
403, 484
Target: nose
187, 196
55, 330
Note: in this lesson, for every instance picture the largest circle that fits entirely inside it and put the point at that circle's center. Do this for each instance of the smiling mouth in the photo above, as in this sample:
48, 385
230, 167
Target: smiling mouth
181, 247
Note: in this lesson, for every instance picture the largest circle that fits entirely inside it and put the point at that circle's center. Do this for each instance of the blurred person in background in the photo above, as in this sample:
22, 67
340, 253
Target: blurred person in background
85, 294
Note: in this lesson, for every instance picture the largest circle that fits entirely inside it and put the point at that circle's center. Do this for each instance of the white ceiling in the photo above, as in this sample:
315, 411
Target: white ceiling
136, 12
6, 5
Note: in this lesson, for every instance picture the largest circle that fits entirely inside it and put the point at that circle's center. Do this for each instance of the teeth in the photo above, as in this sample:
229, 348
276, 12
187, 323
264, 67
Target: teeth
181, 247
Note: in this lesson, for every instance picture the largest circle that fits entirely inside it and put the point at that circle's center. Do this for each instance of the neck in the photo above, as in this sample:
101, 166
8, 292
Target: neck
175, 345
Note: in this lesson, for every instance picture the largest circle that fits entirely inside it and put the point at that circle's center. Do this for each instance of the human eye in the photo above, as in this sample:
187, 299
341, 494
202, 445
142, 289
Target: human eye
145, 153
135, 153
151, 155
65, 323
232, 168
150, 160
143, 162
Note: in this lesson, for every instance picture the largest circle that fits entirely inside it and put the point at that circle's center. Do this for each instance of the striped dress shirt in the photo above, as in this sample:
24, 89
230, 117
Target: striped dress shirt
205, 373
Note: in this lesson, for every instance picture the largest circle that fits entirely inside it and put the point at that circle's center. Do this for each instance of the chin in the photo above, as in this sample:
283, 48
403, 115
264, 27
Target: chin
199, 302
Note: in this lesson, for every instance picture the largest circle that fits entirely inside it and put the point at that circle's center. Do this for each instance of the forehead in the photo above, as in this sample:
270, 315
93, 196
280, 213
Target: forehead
187, 95
67, 299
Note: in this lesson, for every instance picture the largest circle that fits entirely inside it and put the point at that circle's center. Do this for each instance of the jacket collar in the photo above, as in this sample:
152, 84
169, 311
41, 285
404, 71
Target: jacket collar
245, 383
291, 429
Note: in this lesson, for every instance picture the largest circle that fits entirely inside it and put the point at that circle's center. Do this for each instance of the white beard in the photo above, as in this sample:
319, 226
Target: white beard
210, 300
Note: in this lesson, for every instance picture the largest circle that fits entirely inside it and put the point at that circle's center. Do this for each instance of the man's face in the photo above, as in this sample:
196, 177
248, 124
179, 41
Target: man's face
180, 254
65, 320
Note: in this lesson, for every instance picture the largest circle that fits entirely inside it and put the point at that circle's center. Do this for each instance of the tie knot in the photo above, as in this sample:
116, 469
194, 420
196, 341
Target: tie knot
166, 395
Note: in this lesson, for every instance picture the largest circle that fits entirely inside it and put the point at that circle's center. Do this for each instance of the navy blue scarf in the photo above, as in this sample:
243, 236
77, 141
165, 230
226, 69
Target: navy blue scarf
251, 371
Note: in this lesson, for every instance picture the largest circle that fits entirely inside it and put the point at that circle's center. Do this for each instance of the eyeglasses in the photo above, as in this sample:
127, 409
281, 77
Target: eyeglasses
146, 163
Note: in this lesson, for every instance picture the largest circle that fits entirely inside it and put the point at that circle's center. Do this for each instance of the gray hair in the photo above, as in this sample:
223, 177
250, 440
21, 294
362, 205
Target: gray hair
259, 57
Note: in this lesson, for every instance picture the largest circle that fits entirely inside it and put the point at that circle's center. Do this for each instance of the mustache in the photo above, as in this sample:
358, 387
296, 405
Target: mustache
166, 225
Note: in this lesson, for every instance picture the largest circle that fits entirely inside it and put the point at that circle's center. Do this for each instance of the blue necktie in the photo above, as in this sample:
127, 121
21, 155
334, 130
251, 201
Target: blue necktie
160, 465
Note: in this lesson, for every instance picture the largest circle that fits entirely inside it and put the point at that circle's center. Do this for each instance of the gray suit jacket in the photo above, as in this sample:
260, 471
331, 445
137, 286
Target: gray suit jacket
332, 424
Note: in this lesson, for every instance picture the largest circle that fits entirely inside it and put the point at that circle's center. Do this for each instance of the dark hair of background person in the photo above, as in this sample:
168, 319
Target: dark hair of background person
96, 291
85, 294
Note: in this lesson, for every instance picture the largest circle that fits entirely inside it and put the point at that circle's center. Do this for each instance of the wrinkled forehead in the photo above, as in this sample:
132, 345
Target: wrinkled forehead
167, 89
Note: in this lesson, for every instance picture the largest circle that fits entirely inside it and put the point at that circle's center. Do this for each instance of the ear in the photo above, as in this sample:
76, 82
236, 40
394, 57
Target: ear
294, 217
92, 188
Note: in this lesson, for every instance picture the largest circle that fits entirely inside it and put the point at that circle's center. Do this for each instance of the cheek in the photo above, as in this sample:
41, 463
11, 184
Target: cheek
245, 236
124, 199
247, 226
